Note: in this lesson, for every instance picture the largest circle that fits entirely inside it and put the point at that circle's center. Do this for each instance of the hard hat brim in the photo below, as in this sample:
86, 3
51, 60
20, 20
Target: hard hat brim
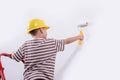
47, 27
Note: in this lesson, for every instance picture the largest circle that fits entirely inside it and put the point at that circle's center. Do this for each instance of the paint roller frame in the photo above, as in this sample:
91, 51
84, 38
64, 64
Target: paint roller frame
80, 42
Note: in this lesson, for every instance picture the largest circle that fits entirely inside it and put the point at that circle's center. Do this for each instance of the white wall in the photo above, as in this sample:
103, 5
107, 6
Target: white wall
98, 57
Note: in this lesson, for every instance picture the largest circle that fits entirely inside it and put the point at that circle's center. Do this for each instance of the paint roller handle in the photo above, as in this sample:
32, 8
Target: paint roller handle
80, 41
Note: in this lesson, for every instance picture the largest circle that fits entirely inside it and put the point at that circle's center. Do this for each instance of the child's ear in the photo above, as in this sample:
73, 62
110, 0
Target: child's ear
41, 31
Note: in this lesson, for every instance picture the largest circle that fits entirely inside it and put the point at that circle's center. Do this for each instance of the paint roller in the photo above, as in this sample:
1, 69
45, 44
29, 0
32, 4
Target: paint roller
80, 27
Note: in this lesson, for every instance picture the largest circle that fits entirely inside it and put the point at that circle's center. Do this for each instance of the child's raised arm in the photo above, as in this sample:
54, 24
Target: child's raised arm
72, 39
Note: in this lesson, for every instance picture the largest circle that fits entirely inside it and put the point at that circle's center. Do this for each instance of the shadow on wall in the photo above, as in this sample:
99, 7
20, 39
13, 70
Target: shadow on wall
59, 75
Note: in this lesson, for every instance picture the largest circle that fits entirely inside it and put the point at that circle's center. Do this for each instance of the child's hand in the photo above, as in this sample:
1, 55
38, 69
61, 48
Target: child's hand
80, 37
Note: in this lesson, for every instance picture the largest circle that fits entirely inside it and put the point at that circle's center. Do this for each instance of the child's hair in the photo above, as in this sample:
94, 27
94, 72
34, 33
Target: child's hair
33, 32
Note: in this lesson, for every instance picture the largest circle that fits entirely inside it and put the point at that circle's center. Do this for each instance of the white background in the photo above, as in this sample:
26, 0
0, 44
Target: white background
99, 56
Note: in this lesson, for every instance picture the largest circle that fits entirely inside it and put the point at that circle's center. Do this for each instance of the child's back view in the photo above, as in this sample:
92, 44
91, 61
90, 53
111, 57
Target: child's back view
38, 54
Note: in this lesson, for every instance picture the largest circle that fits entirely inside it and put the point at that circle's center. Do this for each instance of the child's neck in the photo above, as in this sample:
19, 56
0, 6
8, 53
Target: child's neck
39, 37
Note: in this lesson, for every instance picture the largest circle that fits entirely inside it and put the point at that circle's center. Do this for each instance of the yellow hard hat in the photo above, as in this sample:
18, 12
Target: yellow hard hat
35, 24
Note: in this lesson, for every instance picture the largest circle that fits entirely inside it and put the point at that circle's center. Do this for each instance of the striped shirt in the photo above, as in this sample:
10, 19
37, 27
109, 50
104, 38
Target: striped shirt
39, 58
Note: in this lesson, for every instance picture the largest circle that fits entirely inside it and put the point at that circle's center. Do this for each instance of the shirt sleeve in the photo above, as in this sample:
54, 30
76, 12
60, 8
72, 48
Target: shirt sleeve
59, 44
18, 55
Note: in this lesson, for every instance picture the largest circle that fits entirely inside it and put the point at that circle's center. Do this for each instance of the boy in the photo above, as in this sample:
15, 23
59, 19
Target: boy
38, 54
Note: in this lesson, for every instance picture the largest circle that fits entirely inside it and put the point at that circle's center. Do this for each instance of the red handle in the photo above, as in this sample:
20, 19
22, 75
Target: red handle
2, 76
